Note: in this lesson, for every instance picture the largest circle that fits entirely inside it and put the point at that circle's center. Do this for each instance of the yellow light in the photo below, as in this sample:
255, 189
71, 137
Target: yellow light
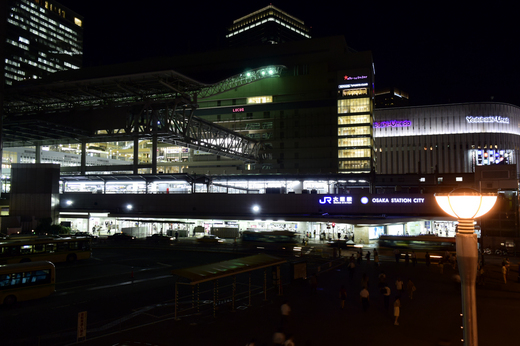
466, 203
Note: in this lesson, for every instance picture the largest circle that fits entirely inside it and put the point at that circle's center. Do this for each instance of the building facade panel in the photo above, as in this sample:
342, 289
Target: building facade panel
447, 138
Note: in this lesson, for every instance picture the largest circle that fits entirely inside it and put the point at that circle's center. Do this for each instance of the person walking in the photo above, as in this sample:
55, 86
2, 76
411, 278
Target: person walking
397, 255
399, 285
386, 296
351, 267
342, 296
367, 256
285, 309
504, 273
278, 337
314, 284
507, 264
365, 299
360, 256
414, 258
427, 258
397, 312
364, 281
407, 258
410, 287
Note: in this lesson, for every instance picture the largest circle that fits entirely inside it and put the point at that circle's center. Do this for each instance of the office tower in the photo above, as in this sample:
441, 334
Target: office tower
39, 37
268, 25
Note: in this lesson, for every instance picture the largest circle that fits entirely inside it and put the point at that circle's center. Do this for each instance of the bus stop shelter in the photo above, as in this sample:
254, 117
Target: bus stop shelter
231, 268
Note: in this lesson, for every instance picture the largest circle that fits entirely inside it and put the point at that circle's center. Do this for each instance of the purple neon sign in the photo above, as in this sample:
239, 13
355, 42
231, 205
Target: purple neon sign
392, 123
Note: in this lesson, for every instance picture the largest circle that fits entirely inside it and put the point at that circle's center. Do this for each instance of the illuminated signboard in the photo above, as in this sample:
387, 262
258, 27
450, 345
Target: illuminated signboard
398, 200
354, 78
339, 200
355, 85
491, 119
238, 110
393, 123
336, 200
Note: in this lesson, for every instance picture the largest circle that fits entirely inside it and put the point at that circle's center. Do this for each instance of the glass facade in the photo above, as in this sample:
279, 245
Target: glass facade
355, 120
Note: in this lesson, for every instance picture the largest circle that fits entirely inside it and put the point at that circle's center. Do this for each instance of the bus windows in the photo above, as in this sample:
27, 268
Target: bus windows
50, 248
25, 249
39, 248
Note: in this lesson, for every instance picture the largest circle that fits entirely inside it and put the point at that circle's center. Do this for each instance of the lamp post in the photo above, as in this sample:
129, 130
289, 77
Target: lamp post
466, 205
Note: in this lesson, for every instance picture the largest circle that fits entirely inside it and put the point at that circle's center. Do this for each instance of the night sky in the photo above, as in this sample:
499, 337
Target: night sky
437, 53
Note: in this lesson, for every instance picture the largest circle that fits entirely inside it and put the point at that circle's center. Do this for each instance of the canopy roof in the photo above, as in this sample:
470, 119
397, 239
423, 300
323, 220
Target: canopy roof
223, 269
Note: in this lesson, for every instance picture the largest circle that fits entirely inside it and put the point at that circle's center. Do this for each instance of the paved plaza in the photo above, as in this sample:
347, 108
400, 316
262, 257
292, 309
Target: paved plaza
432, 317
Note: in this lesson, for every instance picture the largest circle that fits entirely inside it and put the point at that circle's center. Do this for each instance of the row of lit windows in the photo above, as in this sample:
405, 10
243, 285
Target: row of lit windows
10, 69
354, 153
354, 131
38, 33
10, 62
60, 29
261, 14
269, 20
355, 142
35, 64
354, 119
354, 165
354, 105
13, 77
17, 44
48, 6
353, 92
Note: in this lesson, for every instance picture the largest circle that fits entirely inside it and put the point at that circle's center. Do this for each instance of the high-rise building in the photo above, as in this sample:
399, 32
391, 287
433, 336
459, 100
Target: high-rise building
39, 37
268, 25
391, 97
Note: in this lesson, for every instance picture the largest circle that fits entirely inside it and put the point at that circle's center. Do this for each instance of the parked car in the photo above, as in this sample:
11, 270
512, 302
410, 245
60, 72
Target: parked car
121, 237
85, 234
210, 239
159, 238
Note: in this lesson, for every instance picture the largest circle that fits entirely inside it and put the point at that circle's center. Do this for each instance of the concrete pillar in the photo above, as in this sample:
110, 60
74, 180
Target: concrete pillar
361, 235
83, 163
136, 156
38, 149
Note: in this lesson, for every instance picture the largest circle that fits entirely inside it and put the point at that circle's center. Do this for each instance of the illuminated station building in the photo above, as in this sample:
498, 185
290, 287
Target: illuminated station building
315, 151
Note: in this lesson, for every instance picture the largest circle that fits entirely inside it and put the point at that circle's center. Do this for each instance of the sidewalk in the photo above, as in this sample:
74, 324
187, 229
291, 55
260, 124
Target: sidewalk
432, 317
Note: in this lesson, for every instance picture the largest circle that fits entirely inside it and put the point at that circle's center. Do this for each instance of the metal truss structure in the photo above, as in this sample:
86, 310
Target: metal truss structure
159, 105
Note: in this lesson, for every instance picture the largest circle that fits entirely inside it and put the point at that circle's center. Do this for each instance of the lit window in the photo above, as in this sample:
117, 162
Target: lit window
350, 153
78, 21
354, 105
354, 119
260, 99
458, 179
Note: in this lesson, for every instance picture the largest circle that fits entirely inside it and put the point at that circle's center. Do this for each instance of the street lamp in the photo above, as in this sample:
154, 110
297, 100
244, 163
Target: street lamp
466, 205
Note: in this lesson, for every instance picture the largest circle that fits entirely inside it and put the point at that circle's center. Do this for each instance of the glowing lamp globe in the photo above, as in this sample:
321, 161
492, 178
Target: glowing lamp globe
466, 203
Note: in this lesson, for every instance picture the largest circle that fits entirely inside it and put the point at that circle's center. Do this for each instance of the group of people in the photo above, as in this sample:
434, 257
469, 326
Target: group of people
384, 289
